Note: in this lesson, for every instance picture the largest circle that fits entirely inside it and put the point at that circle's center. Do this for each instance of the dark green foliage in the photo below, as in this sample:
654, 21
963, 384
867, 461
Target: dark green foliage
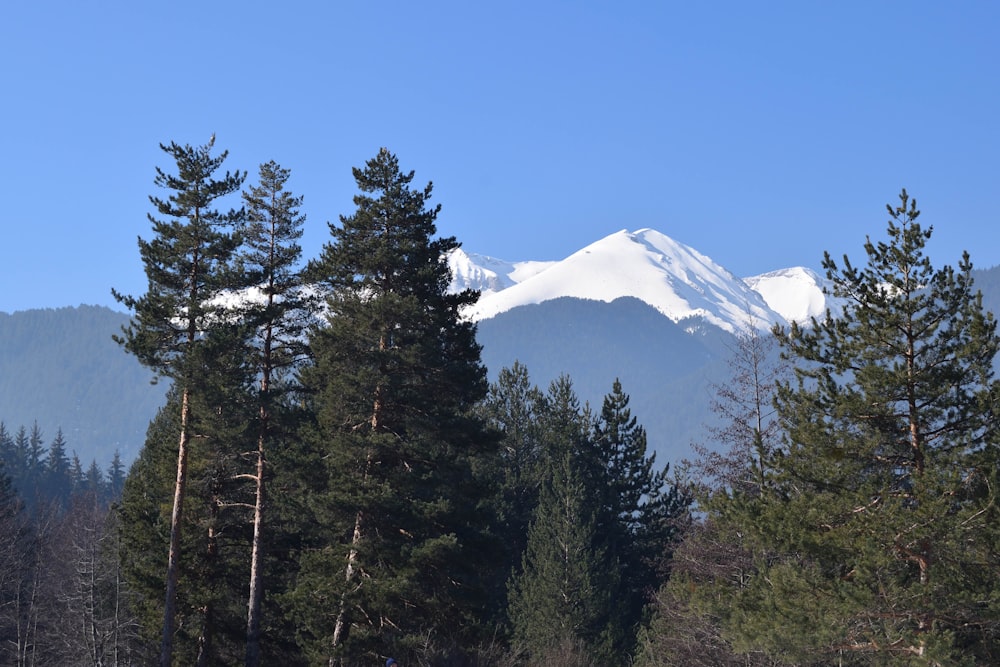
515, 408
53, 480
879, 515
604, 502
215, 552
183, 329
187, 264
562, 593
639, 513
563, 590
399, 564
277, 323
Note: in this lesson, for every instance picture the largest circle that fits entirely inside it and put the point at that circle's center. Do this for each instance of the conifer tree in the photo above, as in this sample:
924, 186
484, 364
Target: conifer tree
560, 597
187, 267
269, 261
881, 514
396, 375
514, 408
116, 477
637, 513
58, 478
562, 594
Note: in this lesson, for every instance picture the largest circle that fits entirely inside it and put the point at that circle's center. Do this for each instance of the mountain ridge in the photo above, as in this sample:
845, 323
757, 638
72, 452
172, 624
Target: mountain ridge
675, 279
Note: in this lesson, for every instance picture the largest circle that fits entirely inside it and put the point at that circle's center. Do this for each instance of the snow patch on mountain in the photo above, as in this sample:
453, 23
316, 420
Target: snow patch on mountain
795, 293
489, 274
671, 277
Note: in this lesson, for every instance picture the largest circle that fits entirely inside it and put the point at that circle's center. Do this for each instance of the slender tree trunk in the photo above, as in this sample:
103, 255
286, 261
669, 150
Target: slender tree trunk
253, 654
352, 556
174, 553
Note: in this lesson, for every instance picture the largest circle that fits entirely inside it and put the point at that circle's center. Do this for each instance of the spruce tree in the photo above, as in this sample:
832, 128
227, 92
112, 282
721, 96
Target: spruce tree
560, 598
396, 375
514, 407
58, 480
880, 517
562, 594
187, 265
637, 513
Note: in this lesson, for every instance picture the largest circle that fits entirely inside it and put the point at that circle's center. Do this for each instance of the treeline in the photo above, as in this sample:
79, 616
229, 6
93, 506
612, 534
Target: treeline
62, 596
45, 474
332, 479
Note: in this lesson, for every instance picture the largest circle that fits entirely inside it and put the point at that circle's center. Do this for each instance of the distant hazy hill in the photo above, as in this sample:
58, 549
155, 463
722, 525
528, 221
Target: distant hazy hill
61, 368
667, 368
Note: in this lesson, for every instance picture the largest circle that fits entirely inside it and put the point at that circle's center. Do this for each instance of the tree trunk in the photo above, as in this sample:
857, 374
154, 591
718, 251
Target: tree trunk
174, 553
253, 655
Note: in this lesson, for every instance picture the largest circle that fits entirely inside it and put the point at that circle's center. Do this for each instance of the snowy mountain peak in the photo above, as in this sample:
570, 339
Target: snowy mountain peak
671, 277
488, 274
796, 293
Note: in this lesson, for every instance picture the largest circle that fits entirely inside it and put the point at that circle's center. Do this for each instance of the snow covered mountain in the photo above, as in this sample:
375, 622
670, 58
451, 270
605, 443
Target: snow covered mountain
673, 278
796, 293
488, 274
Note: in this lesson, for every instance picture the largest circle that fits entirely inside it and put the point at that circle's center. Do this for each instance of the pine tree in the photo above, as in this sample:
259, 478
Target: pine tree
881, 515
269, 260
396, 375
187, 267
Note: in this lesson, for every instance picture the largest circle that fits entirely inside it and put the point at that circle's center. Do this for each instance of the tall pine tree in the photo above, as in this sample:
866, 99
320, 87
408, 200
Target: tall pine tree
270, 263
187, 266
396, 374
880, 516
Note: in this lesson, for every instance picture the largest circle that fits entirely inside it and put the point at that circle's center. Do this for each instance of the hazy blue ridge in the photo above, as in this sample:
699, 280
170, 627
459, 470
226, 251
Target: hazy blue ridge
61, 368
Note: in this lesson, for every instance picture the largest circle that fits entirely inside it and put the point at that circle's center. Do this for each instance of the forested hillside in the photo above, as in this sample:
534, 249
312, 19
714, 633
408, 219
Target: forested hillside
61, 369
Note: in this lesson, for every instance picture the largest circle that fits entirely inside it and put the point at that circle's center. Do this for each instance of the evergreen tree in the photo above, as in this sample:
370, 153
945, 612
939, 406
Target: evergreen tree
116, 477
637, 513
881, 514
562, 594
77, 478
210, 618
514, 407
177, 325
58, 478
33, 478
558, 599
270, 261
7, 451
94, 481
396, 374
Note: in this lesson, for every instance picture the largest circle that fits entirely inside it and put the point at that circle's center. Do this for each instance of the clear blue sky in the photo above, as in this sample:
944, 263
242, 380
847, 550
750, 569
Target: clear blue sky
760, 133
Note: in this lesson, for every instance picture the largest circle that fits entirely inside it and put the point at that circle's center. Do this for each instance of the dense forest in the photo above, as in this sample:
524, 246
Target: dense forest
333, 480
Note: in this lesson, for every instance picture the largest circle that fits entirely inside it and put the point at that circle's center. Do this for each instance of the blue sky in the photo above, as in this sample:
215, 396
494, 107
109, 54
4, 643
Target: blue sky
759, 133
